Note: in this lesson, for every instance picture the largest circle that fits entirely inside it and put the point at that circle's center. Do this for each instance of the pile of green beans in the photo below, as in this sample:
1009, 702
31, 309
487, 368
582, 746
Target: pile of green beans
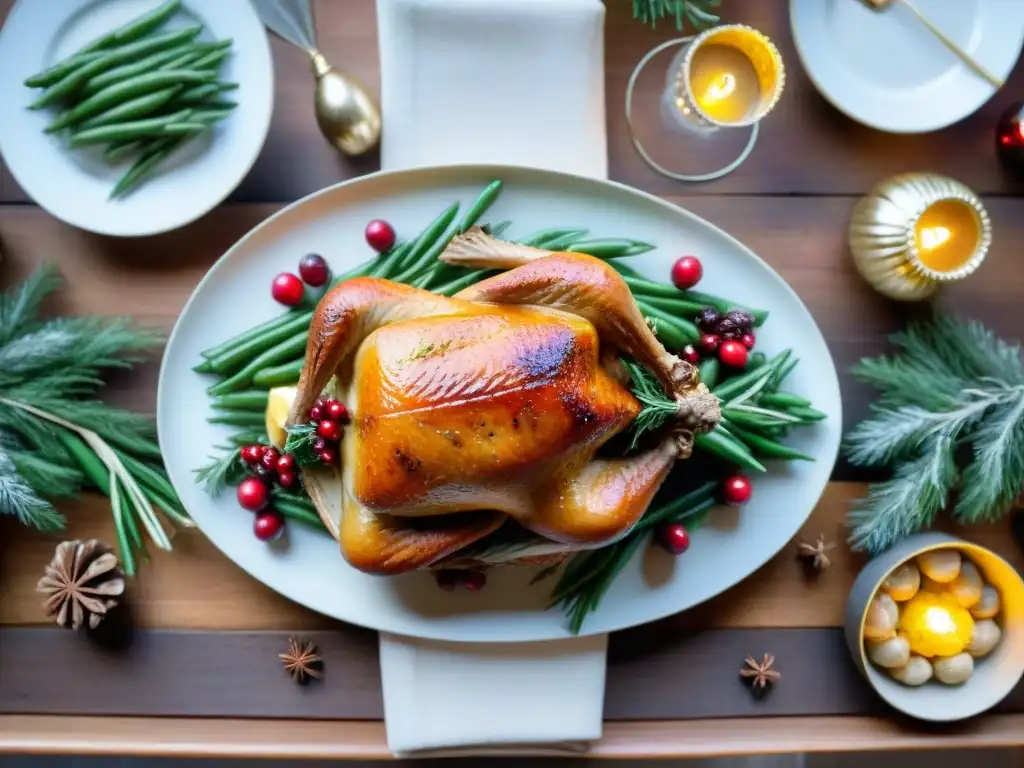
756, 414
137, 93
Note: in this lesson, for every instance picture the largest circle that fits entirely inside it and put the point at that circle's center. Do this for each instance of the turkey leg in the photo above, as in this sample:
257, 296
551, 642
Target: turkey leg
347, 315
601, 501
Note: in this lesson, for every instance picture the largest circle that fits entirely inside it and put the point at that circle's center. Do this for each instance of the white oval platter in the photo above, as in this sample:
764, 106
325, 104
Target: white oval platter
307, 566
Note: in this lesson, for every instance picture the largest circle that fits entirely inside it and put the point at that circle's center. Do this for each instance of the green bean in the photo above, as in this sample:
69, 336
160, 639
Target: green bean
136, 444
61, 69
609, 248
675, 307
214, 114
807, 414
148, 478
131, 109
252, 400
756, 361
483, 201
134, 129
428, 261
452, 288
197, 94
755, 421
427, 238
237, 419
122, 514
282, 375
294, 500
118, 93
281, 352
153, 156
538, 238
299, 514
386, 262
136, 28
765, 447
559, 244
727, 448
210, 61
203, 367
72, 82
185, 60
130, 523
677, 506
118, 150
685, 327
781, 373
261, 330
783, 400
709, 371
247, 438
134, 68
738, 384
644, 287
238, 356
668, 333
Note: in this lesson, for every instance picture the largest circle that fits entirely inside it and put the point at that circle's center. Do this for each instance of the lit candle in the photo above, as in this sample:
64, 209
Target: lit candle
947, 235
936, 624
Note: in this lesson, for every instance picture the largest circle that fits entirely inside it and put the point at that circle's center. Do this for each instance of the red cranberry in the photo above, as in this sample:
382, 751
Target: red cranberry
380, 235
474, 580
687, 272
709, 343
736, 490
329, 430
268, 525
733, 354
690, 354
337, 411
319, 444
286, 479
286, 463
674, 538
748, 340
328, 456
316, 413
313, 270
252, 494
446, 579
251, 454
287, 289
270, 457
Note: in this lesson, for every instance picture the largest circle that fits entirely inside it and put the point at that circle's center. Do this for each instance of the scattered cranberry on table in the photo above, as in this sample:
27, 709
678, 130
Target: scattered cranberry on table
748, 340
287, 289
686, 272
313, 270
380, 235
674, 538
690, 354
736, 490
709, 343
733, 354
268, 525
253, 494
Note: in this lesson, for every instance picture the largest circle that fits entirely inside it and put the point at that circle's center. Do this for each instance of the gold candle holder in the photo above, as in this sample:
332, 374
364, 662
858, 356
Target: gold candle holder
727, 77
916, 231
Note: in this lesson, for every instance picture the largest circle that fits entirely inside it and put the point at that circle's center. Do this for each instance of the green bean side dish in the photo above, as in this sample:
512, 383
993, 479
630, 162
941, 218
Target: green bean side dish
137, 93
757, 414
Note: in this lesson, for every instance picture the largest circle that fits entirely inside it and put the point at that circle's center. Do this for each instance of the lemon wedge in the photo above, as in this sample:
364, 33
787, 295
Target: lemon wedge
278, 405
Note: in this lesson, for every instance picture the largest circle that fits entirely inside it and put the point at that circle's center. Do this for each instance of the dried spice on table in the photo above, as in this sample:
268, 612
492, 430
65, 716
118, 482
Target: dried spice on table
302, 661
760, 675
82, 584
815, 553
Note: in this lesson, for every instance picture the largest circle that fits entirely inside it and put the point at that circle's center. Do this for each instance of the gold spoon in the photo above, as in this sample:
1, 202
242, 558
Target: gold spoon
965, 57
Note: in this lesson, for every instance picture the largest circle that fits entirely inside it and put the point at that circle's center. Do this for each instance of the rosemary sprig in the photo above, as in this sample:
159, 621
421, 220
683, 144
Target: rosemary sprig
697, 12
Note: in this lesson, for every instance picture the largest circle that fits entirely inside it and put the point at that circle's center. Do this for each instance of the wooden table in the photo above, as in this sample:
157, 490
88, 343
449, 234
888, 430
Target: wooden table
790, 203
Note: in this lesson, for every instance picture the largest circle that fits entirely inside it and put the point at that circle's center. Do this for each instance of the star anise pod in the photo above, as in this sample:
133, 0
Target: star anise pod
81, 583
301, 660
814, 552
760, 673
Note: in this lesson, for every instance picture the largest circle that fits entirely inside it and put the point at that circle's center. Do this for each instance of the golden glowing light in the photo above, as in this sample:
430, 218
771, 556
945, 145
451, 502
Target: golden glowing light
947, 235
933, 237
721, 87
936, 624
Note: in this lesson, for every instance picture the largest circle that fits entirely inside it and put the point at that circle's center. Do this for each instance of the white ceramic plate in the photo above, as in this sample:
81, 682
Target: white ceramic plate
75, 185
885, 68
307, 566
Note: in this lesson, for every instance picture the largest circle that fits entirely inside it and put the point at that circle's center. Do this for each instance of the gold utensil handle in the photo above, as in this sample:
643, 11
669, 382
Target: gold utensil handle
964, 56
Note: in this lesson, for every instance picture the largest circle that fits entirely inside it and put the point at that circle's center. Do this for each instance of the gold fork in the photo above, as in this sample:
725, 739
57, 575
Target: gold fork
965, 57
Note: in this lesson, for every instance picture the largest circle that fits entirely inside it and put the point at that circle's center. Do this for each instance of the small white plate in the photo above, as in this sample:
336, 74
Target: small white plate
307, 565
887, 70
74, 185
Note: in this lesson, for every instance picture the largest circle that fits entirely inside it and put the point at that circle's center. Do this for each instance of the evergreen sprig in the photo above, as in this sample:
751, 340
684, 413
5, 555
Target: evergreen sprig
57, 438
952, 384
696, 12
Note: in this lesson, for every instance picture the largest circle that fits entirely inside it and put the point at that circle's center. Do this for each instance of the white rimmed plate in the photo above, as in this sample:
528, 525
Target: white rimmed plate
887, 70
307, 566
74, 185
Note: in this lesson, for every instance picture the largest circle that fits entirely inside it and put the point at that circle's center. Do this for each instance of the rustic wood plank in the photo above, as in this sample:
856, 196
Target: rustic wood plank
160, 673
196, 587
836, 154
348, 740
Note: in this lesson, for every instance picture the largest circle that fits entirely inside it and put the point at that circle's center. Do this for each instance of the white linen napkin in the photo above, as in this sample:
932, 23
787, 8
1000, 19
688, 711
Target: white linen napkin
520, 83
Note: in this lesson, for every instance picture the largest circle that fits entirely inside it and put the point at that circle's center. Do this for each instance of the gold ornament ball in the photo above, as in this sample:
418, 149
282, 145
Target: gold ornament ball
346, 114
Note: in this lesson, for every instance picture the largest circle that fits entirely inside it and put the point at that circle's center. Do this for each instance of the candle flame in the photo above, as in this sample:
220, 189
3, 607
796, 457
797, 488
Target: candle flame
939, 621
722, 87
933, 237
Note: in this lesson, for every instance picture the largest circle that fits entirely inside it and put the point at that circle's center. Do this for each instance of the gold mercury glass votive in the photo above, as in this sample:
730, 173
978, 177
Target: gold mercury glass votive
727, 77
915, 231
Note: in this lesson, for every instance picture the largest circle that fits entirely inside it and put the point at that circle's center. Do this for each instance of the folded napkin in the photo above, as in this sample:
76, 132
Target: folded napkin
520, 83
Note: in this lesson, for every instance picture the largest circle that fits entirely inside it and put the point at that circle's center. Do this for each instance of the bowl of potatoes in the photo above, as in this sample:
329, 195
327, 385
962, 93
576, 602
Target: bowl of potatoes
936, 626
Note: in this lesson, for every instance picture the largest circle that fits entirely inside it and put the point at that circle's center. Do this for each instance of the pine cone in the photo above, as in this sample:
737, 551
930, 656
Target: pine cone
82, 582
